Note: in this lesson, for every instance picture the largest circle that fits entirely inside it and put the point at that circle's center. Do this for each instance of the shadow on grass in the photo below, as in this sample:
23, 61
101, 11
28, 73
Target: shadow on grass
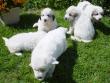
26, 21
64, 70
103, 28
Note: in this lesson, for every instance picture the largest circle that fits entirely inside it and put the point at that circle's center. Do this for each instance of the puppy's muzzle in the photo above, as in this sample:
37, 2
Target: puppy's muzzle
39, 78
65, 18
45, 20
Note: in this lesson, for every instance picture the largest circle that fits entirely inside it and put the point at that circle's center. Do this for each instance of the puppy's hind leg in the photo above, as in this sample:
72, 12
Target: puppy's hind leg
70, 30
86, 41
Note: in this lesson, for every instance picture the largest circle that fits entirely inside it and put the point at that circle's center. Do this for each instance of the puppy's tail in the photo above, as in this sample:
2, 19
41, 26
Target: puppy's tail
35, 25
6, 40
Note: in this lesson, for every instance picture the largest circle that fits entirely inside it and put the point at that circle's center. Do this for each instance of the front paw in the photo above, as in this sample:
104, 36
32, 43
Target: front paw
69, 32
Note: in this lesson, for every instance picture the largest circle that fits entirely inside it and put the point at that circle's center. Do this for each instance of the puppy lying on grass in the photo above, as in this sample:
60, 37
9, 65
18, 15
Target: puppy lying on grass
44, 56
23, 41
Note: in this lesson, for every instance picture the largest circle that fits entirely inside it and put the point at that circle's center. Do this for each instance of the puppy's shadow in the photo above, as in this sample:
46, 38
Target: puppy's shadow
103, 28
64, 70
26, 21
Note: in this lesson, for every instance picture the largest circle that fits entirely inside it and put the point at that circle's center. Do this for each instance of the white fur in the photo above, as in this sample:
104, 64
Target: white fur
86, 7
83, 28
97, 13
23, 41
47, 21
44, 56
72, 14
82, 5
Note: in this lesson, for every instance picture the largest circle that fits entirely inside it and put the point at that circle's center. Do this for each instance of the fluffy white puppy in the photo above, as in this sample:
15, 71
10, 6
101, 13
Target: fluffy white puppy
47, 20
23, 41
84, 29
72, 14
97, 14
44, 56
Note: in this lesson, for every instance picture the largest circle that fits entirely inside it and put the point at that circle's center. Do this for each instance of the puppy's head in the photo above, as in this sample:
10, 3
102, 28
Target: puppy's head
47, 15
42, 66
94, 12
97, 13
71, 13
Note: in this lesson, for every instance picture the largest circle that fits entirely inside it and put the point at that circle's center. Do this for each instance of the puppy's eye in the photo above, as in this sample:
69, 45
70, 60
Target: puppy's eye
42, 70
35, 69
95, 13
70, 14
49, 15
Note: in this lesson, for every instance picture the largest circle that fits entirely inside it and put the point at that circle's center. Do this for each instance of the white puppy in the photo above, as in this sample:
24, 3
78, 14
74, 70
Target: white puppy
97, 14
47, 20
44, 56
72, 14
23, 41
83, 29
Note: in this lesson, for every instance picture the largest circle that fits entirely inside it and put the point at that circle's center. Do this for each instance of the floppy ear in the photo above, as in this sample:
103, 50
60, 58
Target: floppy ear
53, 17
55, 62
94, 12
76, 14
40, 17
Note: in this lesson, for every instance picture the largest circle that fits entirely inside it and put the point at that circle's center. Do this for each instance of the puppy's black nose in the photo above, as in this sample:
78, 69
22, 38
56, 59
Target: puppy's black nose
65, 18
39, 78
45, 20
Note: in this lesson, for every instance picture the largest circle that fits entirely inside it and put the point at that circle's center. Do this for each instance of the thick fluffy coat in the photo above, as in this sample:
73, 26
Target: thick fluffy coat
44, 56
84, 29
23, 41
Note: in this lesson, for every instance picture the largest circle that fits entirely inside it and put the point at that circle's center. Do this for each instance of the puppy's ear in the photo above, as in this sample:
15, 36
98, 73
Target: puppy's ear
40, 17
55, 62
53, 17
76, 14
94, 13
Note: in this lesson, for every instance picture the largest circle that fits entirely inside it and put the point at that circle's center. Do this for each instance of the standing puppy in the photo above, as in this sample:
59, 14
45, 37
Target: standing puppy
72, 14
44, 56
23, 41
47, 21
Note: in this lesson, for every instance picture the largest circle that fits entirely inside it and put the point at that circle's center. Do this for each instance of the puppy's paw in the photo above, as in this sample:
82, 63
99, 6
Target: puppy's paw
18, 54
86, 41
69, 32
76, 38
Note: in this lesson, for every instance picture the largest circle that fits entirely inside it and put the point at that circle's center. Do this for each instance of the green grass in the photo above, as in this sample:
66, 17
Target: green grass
81, 63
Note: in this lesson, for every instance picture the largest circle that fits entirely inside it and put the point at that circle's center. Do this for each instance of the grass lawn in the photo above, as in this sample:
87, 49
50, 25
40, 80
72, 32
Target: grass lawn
81, 63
